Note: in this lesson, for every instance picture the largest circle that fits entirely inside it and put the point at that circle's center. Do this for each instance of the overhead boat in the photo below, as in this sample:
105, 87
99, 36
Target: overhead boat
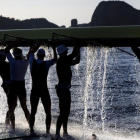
112, 36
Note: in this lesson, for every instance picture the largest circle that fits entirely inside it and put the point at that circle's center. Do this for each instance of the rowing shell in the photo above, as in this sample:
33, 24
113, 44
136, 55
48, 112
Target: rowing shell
103, 35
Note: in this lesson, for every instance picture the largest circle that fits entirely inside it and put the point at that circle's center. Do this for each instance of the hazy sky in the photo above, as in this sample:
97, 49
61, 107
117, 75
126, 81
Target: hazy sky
59, 12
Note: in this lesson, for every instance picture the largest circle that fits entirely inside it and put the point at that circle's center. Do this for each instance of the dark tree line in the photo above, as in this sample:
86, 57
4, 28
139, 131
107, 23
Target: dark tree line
11, 23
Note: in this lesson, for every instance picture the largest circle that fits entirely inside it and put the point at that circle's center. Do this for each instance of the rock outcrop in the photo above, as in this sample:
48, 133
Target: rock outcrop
115, 13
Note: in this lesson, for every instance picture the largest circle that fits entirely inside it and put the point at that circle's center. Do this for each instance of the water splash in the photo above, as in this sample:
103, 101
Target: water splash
103, 99
89, 68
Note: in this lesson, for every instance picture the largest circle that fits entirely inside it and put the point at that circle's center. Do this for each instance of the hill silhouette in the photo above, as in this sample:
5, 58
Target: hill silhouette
107, 13
115, 13
11, 23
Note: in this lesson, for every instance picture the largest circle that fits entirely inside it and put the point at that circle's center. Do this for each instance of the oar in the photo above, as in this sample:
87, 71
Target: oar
43, 42
57, 34
72, 37
26, 39
2, 42
6, 35
126, 52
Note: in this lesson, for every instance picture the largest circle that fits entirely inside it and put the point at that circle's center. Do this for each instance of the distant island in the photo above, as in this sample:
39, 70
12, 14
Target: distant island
107, 13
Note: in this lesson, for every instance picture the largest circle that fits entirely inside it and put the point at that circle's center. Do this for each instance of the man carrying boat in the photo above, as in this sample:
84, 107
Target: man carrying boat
39, 72
5, 75
18, 68
64, 73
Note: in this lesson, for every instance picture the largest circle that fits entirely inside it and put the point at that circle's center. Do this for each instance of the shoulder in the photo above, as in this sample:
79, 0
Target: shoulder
7, 63
60, 60
63, 60
51, 62
10, 57
8, 54
24, 61
31, 57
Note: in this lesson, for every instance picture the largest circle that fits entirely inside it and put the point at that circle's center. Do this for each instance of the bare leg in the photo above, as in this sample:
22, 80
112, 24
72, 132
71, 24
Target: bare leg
47, 108
7, 120
34, 103
66, 114
12, 103
24, 107
60, 117
58, 125
64, 106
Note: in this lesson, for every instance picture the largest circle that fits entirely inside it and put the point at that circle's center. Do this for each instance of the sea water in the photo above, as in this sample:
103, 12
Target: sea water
105, 98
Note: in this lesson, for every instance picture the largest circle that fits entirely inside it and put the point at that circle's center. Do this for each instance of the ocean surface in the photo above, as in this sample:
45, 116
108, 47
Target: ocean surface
105, 98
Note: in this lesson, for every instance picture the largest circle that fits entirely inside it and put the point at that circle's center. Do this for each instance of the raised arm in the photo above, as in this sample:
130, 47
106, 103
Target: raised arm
75, 54
136, 51
78, 57
54, 52
33, 49
11, 45
76, 50
28, 54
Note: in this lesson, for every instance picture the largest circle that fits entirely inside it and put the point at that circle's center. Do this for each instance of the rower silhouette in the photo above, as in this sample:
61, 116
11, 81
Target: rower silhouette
5, 75
64, 73
39, 72
18, 68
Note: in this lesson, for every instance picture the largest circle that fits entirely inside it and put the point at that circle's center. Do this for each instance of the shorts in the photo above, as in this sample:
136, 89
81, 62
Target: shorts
64, 102
63, 93
6, 86
6, 90
40, 93
17, 89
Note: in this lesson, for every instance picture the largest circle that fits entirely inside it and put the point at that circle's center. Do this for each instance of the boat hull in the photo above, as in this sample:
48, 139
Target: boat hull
106, 36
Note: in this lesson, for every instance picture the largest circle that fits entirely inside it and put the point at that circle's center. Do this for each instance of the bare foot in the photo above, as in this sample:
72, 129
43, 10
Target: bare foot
32, 133
58, 137
7, 121
66, 136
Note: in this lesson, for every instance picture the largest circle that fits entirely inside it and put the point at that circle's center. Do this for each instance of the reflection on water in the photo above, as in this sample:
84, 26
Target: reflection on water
105, 97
